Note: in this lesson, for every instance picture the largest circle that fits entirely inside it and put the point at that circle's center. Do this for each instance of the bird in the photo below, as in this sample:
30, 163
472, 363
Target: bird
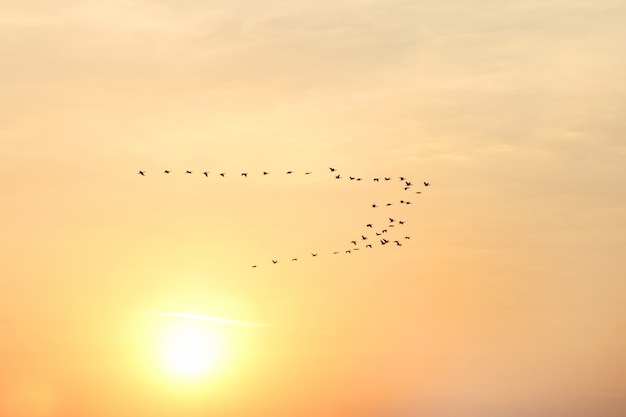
359, 179
369, 225
426, 184
418, 192
351, 178
384, 231
313, 254
391, 220
374, 205
275, 262
253, 266
387, 178
348, 251
408, 184
188, 172
332, 169
206, 173
307, 173
383, 241
388, 204
289, 172
335, 253
401, 221
222, 174
143, 173
397, 243
407, 237
406, 188
376, 179
244, 174
368, 246
401, 201
402, 178
363, 237
338, 176
166, 171
294, 259
265, 172
353, 242
408, 202
378, 234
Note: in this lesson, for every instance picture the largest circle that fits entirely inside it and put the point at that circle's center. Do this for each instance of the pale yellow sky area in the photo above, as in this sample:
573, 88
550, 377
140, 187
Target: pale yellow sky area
507, 300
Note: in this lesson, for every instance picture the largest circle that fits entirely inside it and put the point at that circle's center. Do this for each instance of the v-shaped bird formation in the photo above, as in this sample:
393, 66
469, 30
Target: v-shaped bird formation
378, 235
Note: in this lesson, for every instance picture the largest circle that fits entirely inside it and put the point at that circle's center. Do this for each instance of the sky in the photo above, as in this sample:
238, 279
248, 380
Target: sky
508, 298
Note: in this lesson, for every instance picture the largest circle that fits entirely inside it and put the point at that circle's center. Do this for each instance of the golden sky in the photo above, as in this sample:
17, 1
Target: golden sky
507, 300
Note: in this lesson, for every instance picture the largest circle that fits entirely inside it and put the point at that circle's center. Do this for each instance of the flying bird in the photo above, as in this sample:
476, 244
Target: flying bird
188, 172
368, 246
391, 220
408, 184
351, 178
294, 259
244, 174
142, 173
313, 254
369, 225
407, 237
402, 178
388, 204
166, 171
426, 184
206, 173
222, 174
253, 266
374, 205
401, 221
275, 262
289, 172
387, 178
376, 179
338, 176
363, 237
306, 173
397, 243
353, 242
265, 172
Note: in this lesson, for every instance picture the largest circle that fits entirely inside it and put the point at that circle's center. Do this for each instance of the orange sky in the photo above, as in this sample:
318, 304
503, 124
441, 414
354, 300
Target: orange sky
507, 300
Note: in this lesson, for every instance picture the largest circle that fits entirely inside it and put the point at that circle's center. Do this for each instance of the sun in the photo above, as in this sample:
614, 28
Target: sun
189, 350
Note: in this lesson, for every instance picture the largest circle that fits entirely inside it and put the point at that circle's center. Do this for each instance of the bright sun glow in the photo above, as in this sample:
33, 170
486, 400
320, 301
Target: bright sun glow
189, 350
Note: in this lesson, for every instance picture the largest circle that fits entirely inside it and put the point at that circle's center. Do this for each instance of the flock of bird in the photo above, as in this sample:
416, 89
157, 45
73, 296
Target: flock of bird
382, 233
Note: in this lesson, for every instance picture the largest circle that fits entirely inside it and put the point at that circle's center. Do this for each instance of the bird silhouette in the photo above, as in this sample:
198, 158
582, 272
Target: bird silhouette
402, 178
363, 237
359, 179
408, 202
376, 179
418, 192
332, 169
351, 178
244, 174
368, 246
294, 259
307, 173
397, 243
406, 188
401, 221
391, 220
206, 173
335, 253
407, 237
387, 178
426, 184
166, 171
369, 225
313, 254
338, 176
143, 173
384, 231
223, 174
188, 172
253, 266
275, 262
348, 251
408, 184
388, 204
289, 172
374, 205
265, 172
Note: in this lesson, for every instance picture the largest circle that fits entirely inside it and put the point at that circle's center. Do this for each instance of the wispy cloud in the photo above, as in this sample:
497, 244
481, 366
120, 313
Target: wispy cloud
220, 320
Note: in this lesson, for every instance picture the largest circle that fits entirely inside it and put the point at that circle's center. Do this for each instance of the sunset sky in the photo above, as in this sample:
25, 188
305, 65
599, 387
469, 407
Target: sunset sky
507, 300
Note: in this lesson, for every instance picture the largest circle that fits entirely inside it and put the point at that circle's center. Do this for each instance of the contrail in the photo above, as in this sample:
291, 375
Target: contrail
210, 318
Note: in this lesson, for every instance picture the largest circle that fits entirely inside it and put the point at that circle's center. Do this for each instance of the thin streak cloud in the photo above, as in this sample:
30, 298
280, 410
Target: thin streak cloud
209, 318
